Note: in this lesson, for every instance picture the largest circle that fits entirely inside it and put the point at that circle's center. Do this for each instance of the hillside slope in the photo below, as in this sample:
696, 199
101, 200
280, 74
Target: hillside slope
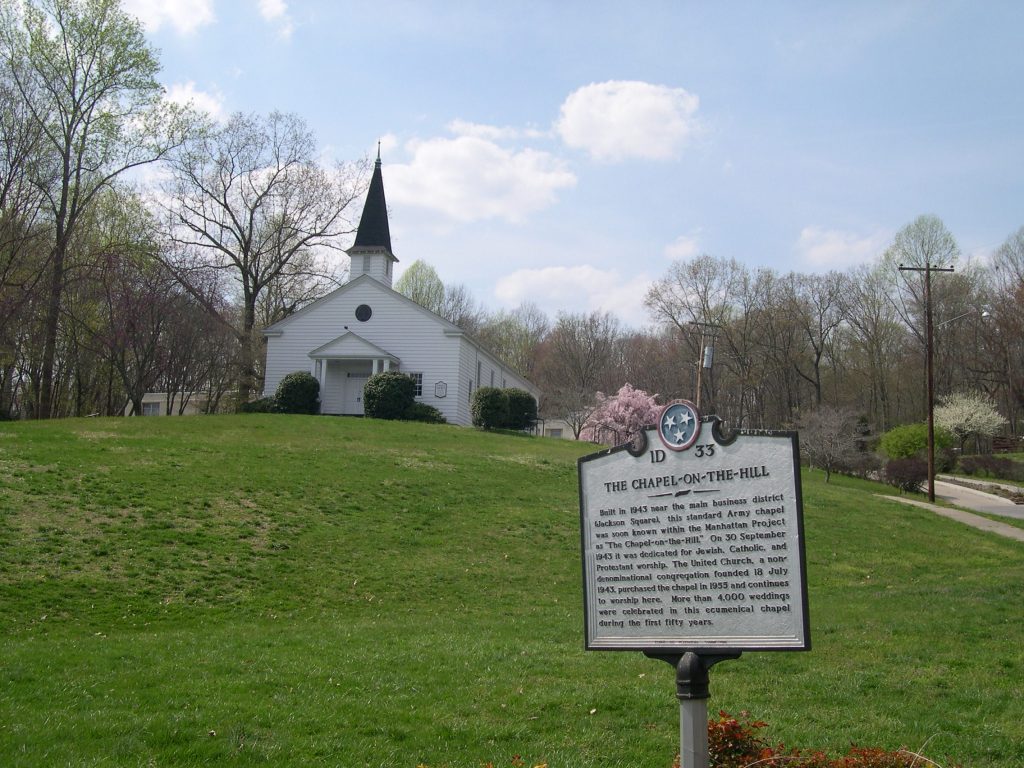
341, 592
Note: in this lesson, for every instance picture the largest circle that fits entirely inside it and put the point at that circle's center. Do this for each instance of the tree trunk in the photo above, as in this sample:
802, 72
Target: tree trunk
246, 357
50, 330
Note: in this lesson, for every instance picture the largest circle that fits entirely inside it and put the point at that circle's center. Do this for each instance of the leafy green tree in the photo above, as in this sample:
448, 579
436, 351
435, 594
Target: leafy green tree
88, 79
421, 283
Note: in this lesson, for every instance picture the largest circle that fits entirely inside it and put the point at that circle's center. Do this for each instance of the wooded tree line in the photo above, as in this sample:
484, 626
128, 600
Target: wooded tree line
111, 287
784, 346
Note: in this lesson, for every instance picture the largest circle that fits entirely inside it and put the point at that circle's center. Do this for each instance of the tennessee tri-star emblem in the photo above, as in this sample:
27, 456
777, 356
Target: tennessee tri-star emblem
679, 425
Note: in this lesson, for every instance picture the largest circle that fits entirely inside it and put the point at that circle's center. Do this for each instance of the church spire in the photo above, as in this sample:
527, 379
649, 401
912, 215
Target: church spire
373, 226
371, 252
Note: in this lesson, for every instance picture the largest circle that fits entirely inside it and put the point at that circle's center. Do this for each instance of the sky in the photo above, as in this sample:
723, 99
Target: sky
566, 153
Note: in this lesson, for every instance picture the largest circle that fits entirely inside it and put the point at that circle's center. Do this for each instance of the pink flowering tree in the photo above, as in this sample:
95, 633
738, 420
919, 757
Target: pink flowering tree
619, 417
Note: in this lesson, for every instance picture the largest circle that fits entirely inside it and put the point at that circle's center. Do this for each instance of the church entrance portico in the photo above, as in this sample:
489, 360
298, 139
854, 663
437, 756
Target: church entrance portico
342, 367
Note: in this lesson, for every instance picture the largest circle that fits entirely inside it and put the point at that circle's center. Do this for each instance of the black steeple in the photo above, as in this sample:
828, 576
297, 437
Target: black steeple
373, 229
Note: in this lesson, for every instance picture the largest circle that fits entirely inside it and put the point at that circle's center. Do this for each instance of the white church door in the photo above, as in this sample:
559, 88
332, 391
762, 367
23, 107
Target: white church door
352, 404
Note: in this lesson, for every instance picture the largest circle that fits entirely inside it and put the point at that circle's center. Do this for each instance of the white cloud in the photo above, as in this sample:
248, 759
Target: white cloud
469, 178
837, 249
578, 289
682, 248
276, 12
620, 119
187, 93
492, 132
186, 16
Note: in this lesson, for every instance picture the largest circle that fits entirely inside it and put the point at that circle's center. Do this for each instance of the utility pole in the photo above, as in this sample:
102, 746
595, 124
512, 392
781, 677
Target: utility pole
929, 342
705, 355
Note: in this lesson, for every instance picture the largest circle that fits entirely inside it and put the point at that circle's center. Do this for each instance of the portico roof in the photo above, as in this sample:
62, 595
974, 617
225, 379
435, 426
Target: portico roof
350, 346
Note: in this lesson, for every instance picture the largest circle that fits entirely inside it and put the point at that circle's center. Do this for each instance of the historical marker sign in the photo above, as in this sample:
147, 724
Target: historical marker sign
693, 540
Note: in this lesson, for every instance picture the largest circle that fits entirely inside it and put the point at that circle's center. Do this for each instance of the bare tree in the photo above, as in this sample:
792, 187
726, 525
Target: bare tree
655, 362
1001, 359
578, 359
249, 209
198, 351
22, 233
874, 343
516, 336
815, 302
829, 438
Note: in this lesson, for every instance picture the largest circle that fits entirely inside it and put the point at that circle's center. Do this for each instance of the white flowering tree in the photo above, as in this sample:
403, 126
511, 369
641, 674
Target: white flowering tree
969, 413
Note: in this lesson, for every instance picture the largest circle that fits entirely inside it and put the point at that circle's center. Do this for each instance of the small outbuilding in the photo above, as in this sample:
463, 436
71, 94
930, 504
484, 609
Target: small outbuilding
366, 327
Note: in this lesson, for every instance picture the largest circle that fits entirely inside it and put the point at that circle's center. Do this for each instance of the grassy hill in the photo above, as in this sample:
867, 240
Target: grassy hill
300, 591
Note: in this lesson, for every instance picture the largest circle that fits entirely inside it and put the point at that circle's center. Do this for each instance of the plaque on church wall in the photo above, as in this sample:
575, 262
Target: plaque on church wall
692, 539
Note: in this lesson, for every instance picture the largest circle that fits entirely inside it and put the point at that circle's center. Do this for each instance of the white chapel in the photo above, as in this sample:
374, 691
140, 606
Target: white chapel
366, 327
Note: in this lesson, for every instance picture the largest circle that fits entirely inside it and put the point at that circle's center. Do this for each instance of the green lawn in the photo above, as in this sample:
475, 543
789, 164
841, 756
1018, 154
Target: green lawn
312, 591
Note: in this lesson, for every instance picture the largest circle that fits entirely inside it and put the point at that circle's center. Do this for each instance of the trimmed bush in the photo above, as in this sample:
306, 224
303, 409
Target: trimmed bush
489, 408
263, 405
522, 409
912, 440
425, 413
908, 474
298, 392
998, 467
388, 395
863, 464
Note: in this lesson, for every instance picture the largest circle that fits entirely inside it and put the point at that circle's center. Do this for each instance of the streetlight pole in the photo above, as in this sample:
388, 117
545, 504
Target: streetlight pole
929, 341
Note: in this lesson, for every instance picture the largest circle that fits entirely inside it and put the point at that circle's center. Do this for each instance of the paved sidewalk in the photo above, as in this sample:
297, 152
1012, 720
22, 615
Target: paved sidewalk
984, 482
982, 523
977, 501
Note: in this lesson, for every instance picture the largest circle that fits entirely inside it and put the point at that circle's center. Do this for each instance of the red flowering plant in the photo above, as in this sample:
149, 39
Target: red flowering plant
736, 743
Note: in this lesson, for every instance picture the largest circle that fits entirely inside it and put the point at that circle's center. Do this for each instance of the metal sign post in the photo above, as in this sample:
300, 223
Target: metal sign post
692, 690
692, 543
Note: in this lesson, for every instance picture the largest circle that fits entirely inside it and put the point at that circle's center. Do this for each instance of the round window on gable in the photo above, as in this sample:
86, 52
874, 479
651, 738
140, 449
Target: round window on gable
363, 313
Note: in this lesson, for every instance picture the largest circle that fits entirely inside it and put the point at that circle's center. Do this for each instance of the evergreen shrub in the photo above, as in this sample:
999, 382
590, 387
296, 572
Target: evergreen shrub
489, 408
388, 395
298, 392
263, 405
522, 409
425, 413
